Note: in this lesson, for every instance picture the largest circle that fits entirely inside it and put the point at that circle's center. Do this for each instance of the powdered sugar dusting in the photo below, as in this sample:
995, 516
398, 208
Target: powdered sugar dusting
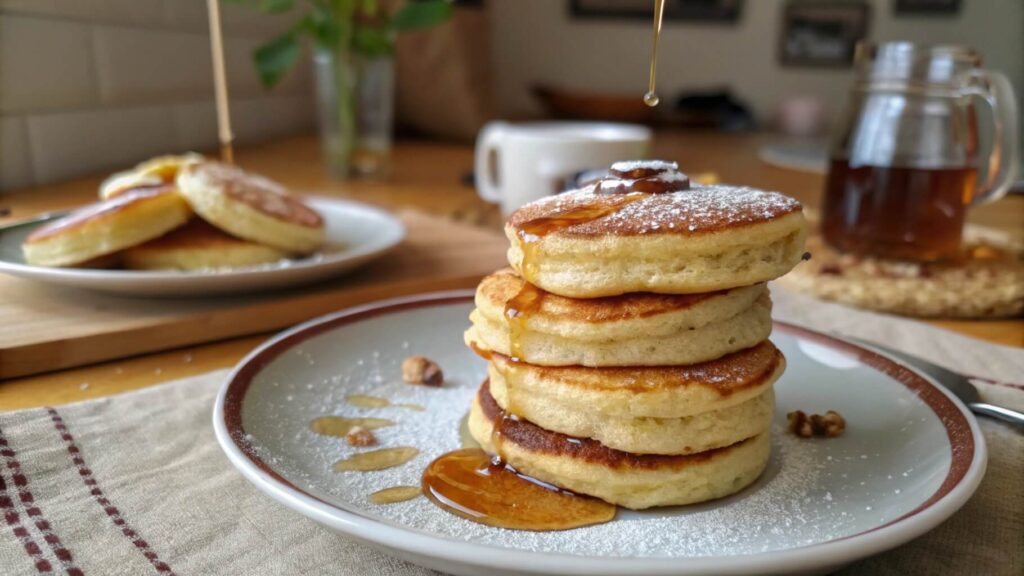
630, 165
813, 491
702, 208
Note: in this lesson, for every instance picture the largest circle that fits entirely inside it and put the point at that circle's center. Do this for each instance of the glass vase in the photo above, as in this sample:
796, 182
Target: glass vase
355, 99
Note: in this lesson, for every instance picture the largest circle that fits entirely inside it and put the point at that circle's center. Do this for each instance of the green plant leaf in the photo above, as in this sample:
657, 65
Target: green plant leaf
369, 41
414, 15
275, 58
276, 6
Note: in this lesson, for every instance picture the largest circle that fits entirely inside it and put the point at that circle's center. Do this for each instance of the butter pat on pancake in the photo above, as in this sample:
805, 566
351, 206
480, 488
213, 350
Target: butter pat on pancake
107, 227
251, 207
701, 239
198, 246
627, 330
631, 480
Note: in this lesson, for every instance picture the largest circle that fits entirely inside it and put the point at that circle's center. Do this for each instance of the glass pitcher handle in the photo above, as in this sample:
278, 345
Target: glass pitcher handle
996, 90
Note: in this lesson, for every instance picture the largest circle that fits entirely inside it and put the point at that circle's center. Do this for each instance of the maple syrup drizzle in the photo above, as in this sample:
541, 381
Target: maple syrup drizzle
395, 494
651, 97
365, 401
340, 426
531, 231
471, 484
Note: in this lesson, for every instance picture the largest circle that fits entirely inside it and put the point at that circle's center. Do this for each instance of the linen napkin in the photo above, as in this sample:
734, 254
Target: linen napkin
136, 484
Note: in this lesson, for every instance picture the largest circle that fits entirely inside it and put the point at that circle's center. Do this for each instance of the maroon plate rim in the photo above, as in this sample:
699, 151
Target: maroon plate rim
958, 428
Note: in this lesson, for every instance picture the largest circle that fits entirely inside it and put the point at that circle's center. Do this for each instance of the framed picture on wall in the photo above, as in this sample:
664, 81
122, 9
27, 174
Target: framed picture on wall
822, 34
926, 7
723, 11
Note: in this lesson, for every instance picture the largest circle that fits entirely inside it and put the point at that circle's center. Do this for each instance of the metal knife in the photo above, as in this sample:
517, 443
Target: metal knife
956, 383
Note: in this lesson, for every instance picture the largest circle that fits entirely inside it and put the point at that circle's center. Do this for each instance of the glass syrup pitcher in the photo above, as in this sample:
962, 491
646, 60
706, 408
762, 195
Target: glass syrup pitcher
905, 162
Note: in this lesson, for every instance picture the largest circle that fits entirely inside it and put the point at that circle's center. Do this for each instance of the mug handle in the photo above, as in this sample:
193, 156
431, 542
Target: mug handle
489, 140
995, 89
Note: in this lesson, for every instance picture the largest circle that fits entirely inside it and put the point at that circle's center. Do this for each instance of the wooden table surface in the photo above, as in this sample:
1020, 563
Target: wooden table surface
431, 177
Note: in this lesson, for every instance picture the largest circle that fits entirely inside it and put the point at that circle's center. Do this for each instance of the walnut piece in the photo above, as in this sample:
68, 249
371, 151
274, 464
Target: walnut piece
422, 370
360, 436
829, 425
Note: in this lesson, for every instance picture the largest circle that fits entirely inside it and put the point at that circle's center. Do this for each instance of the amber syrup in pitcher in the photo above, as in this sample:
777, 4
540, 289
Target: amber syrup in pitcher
895, 212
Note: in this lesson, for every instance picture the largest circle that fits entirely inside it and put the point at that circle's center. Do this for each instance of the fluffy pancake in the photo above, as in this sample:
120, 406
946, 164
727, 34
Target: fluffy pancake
197, 246
152, 172
250, 207
627, 330
631, 480
587, 243
637, 391
104, 228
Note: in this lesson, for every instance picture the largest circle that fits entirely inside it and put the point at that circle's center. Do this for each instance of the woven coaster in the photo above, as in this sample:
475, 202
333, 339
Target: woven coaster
987, 282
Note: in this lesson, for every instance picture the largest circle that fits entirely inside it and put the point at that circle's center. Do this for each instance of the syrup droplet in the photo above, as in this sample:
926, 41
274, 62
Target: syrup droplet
377, 459
395, 494
340, 426
470, 484
518, 310
365, 401
651, 99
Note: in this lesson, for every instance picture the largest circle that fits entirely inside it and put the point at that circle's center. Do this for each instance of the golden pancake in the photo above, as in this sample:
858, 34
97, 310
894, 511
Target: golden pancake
645, 410
628, 330
107, 227
251, 207
198, 246
606, 239
152, 172
631, 480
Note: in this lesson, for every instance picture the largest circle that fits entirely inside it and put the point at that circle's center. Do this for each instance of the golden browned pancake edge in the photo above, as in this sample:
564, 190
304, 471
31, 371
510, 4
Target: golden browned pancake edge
99, 211
727, 375
259, 193
502, 286
531, 437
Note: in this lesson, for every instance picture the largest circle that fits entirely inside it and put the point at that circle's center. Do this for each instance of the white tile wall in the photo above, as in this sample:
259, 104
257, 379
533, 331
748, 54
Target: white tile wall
94, 85
68, 144
44, 64
195, 124
15, 161
138, 65
115, 11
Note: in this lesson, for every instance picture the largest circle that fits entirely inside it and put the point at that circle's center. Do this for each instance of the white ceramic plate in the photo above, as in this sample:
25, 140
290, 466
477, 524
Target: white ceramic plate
356, 234
910, 457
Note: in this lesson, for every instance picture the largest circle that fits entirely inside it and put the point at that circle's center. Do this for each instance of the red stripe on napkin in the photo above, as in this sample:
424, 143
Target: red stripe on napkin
18, 492
78, 458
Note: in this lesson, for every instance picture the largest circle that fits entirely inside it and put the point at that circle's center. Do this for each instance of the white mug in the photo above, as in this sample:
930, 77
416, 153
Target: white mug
533, 159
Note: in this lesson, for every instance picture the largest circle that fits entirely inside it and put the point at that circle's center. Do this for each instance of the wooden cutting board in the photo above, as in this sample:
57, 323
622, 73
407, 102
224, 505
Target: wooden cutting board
44, 328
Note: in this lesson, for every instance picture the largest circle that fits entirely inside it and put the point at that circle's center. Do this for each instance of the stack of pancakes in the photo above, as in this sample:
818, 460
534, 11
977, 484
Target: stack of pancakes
628, 352
181, 213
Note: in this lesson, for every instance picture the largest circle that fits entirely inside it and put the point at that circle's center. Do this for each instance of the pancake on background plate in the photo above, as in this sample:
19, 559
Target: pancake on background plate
152, 172
250, 207
198, 246
107, 227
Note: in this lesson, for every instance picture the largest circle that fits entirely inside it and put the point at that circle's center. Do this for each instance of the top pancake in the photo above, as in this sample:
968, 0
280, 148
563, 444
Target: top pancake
698, 211
671, 237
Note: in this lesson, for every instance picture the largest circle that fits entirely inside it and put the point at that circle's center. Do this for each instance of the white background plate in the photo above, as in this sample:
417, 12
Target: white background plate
356, 233
910, 457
